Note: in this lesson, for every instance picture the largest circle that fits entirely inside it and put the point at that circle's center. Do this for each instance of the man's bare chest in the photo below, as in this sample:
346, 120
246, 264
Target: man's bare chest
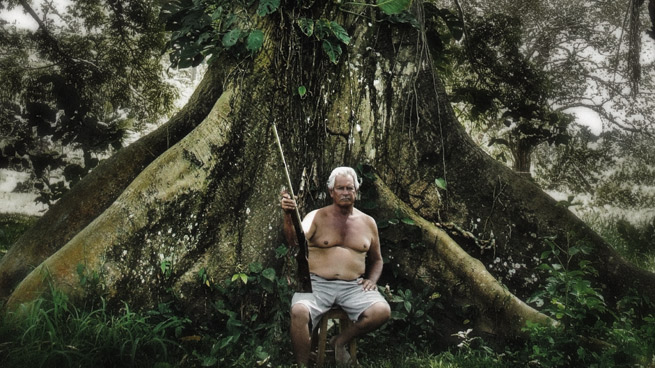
357, 238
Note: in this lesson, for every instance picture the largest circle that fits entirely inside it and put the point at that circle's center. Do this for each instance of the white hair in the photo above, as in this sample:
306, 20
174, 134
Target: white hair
344, 171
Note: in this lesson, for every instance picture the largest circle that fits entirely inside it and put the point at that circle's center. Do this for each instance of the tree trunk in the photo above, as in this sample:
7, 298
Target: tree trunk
210, 202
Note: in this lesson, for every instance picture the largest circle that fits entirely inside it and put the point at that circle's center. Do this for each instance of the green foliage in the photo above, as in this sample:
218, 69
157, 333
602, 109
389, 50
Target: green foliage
201, 29
411, 329
590, 334
568, 295
641, 240
255, 40
330, 33
302, 91
633, 242
267, 7
251, 324
251, 321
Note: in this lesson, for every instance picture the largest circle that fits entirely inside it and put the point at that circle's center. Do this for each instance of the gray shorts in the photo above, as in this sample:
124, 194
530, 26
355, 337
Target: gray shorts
348, 295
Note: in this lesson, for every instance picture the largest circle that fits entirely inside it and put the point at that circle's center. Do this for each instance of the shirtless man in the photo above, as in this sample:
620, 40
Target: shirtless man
340, 238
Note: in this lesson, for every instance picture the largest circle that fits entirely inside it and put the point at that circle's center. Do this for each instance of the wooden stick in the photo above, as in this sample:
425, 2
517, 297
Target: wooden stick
301, 257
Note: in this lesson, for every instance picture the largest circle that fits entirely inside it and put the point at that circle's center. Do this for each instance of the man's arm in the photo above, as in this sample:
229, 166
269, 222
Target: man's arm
288, 206
374, 256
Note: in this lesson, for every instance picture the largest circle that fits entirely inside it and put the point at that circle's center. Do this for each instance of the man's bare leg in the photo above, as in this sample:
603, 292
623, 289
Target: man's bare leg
300, 338
375, 316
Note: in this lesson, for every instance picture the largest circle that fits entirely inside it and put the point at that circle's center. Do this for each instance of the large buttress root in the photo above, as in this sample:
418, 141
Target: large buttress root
444, 260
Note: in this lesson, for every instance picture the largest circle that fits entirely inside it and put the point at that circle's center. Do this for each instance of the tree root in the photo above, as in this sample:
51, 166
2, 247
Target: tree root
505, 314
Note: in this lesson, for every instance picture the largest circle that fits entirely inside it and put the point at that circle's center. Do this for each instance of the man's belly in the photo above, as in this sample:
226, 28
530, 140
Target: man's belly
337, 263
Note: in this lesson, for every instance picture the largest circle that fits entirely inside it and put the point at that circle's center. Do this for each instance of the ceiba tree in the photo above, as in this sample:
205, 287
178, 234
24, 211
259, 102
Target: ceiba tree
346, 85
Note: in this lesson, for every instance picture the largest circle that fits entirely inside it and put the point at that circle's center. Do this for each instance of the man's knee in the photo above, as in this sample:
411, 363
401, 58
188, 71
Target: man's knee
380, 312
300, 313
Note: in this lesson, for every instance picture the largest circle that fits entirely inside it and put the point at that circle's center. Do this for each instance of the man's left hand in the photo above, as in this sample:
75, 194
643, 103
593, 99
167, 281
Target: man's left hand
368, 285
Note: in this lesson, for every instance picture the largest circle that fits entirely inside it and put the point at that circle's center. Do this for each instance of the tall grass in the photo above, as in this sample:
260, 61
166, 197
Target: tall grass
54, 333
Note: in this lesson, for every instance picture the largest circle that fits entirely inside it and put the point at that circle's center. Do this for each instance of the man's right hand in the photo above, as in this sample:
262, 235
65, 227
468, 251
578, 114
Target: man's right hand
287, 204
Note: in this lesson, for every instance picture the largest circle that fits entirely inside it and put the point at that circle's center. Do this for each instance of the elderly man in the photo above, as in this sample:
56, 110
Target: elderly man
340, 239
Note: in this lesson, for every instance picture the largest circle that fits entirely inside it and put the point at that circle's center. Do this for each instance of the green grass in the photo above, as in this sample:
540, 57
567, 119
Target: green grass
54, 333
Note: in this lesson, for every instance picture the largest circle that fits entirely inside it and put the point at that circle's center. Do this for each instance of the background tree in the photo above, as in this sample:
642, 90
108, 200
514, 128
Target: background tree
566, 54
76, 85
502, 90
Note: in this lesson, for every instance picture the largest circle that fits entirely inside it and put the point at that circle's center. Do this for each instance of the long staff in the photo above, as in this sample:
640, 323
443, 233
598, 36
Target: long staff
301, 256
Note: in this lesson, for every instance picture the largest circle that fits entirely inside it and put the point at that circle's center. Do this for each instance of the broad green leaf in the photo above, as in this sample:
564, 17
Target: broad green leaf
267, 7
269, 274
339, 32
202, 38
255, 267
302, 91
281, 251
217, 13
306, 26
255, 40
322, 29
391, 7
231, 38
333, 51
244, 278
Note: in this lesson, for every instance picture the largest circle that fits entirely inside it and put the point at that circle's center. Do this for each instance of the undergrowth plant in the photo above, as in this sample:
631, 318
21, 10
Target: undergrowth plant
252, 308
590, 333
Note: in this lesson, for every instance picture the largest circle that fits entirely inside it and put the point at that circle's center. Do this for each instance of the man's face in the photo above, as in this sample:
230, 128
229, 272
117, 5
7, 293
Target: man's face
343, 193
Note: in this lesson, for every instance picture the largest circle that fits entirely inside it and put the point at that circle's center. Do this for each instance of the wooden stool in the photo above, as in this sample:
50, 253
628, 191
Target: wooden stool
319, 336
